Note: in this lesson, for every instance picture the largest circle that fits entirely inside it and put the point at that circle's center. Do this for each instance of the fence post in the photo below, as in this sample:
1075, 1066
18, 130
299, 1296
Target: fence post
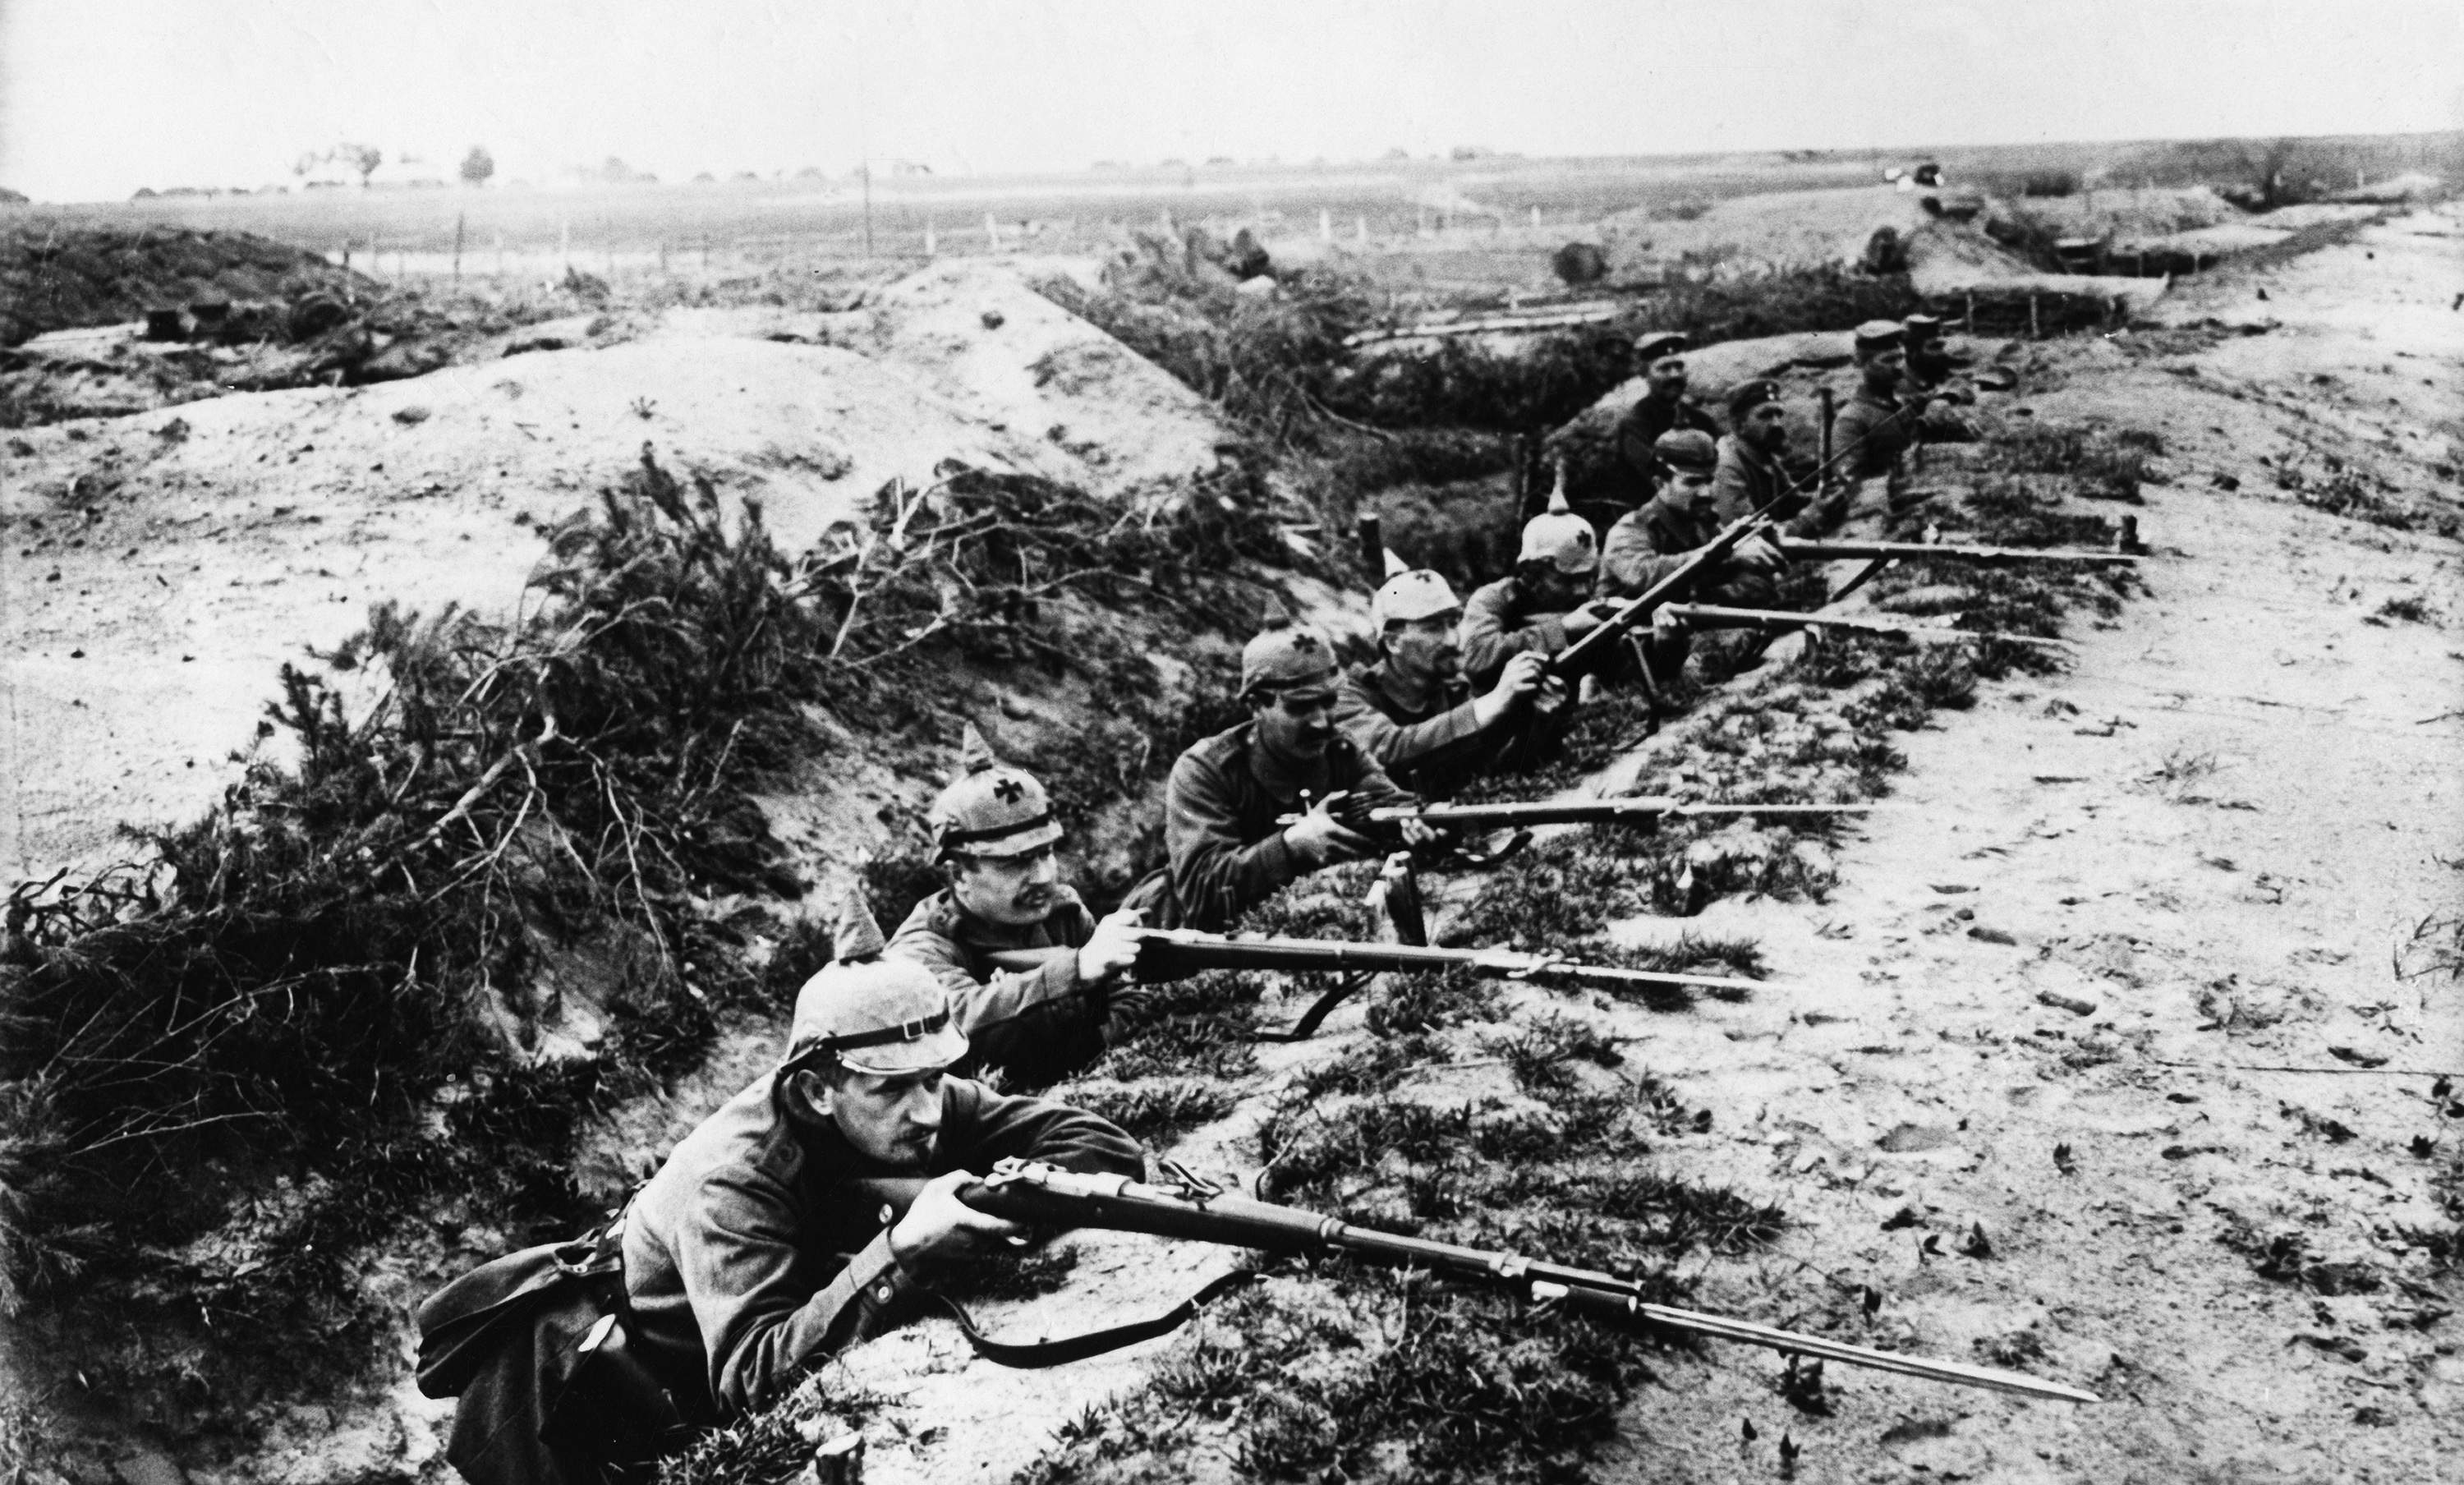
459, 219
2035, 331
1969, 325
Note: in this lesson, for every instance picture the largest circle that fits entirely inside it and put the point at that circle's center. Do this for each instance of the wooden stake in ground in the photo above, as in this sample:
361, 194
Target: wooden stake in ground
459, 219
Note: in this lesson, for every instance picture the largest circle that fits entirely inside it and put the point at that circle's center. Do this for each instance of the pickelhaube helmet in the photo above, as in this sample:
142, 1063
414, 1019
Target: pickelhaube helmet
1284, 653
885, 1016
992, 809
1418, 594
1559, 536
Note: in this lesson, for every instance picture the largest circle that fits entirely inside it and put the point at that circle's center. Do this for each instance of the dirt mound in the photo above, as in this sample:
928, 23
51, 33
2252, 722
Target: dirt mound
55, 278
161, 572
2129, 213
1799, 229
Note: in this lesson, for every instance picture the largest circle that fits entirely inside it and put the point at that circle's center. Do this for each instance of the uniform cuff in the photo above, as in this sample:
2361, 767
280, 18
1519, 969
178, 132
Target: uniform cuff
878, 1278
1275, 858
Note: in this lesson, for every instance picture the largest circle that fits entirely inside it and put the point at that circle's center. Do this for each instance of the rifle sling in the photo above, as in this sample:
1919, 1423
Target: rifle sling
1319, 1010
1029, 1355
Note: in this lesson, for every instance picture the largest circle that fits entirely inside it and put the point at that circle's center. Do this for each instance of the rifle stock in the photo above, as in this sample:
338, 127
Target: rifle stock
1044, 1195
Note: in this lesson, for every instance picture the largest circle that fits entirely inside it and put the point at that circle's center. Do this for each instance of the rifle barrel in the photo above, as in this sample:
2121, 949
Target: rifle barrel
1171, 952
1036, 1193
1718, 616
1634, 810
1796, 551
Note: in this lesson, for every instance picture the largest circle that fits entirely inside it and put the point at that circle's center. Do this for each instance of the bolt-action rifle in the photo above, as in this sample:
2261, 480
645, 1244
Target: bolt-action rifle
1198, 1211
1717, 616
1796, 550
1643, 811
1178, 953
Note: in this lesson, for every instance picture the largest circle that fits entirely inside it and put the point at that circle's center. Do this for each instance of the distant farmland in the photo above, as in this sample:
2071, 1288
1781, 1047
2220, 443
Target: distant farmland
731, 227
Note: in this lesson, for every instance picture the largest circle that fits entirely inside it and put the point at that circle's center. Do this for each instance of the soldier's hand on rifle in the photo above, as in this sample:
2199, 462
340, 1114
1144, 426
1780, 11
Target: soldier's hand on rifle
1586, 619
1112, 949
939, 1227
1754, 554
1551, 695
1317, 838
1419, 833
1525, 674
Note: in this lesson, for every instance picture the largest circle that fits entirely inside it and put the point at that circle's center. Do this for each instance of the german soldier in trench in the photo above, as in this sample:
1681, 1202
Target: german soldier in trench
1544, 604
1654, 541
1414, 714
1754, 469
994, 838
748, 1260
1229, 795
1663, 407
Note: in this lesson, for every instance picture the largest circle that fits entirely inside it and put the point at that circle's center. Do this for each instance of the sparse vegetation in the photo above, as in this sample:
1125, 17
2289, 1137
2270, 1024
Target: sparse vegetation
350, 976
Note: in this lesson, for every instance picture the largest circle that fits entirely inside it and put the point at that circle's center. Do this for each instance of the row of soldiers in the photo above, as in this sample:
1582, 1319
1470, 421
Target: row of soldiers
744, 1262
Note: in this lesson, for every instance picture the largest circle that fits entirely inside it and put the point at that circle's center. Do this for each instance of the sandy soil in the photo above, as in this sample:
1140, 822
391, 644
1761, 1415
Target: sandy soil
158, 569
2219, 831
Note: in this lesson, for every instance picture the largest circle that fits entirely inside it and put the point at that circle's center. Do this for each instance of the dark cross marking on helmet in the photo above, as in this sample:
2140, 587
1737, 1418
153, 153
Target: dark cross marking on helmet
1008, 790
1303, 641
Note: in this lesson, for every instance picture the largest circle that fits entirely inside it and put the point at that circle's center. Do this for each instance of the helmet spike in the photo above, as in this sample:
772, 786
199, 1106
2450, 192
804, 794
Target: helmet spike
854, 936
975, 753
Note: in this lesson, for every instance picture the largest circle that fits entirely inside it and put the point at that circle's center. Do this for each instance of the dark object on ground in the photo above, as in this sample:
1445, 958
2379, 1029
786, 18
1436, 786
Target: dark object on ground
58, 278
312, 316
1245, 259
1886, 253
1580, 263
166, 324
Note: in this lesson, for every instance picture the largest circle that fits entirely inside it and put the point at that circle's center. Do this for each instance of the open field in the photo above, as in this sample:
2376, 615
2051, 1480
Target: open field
817, 222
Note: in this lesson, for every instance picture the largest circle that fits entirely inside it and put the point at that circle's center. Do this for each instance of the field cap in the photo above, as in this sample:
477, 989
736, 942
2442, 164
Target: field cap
1652, 348
1407, 596
888, 1017
1879, 335
992, 809
1748, 396
1559, 536
1689, 449
1285, 654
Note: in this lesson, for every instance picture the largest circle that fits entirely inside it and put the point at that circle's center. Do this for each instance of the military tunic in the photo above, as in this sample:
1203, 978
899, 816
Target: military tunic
1748, 478
1871, 433
1499, 622
1036, 1025
1222, 813
1649, 544
748, 1260
1437, 745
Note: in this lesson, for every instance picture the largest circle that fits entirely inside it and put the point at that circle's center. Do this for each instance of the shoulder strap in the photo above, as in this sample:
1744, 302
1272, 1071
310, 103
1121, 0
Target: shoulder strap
1094, 1343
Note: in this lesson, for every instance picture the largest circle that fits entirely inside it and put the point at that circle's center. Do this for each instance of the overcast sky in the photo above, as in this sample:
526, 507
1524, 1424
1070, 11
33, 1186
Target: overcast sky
100, 96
